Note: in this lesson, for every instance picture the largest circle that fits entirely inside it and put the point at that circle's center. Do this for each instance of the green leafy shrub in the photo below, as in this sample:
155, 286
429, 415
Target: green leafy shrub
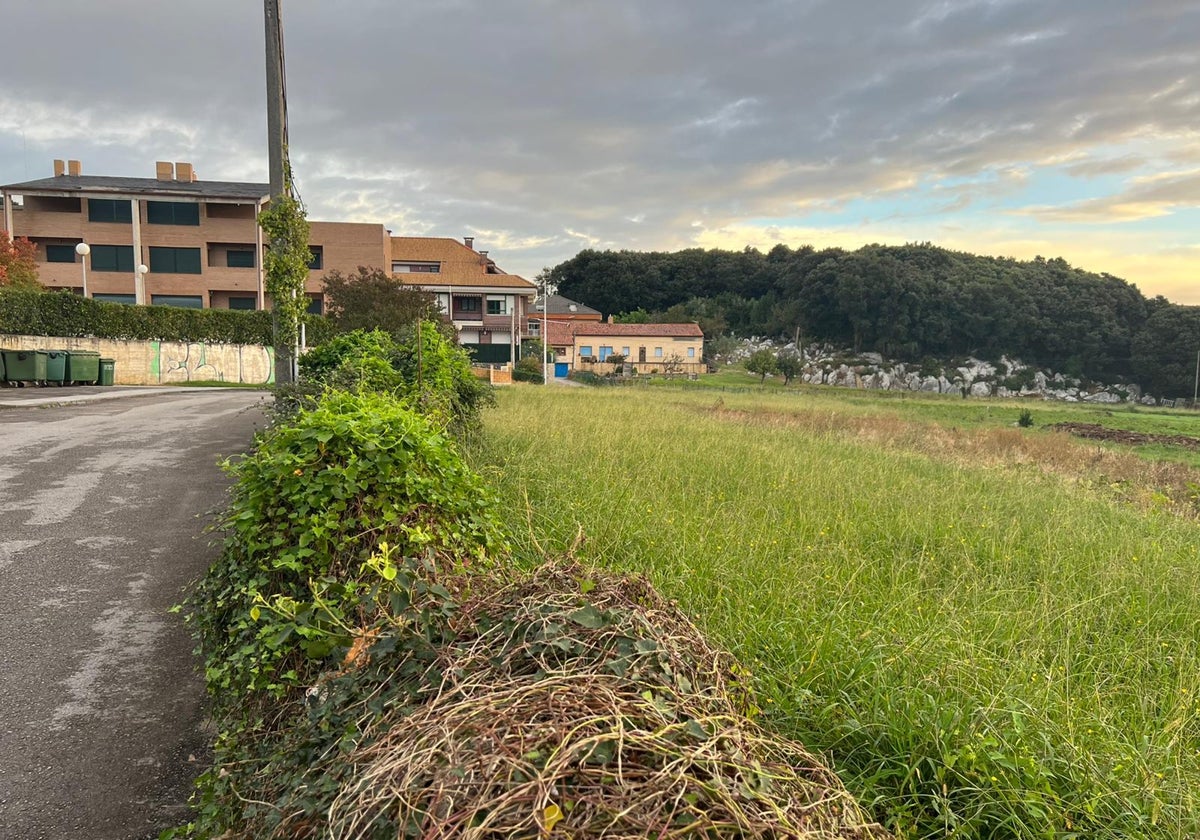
1025, 420
30, 312
317, 499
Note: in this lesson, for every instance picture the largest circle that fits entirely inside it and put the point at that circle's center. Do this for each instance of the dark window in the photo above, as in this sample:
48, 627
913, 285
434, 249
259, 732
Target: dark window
60, 253
495, 307
172, 213
129, 299
184, 301
317, 260
109, 210
174, 260
112, 258
241, 259
241, 303
468, 304
316, 305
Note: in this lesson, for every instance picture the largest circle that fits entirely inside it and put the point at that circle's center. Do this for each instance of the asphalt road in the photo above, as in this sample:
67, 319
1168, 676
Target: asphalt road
101, 528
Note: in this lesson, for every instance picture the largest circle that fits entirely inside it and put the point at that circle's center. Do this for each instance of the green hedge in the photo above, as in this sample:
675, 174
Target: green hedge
24, 312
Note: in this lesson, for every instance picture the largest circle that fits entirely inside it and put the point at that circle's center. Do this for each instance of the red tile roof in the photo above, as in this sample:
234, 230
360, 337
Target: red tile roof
640, 330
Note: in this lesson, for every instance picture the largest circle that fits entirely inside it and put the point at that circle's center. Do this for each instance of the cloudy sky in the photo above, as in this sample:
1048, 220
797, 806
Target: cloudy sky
1010, 127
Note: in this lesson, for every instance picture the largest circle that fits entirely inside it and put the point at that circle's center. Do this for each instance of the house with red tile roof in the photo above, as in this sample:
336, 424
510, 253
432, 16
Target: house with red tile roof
647, 348
488, 308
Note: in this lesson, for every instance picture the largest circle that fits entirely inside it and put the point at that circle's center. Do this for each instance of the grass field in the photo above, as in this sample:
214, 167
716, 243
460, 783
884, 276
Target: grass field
991, 632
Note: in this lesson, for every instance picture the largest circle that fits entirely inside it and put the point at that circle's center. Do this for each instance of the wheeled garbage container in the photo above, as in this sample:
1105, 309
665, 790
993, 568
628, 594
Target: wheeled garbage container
83, 367
108, 371
25, 365
56, 366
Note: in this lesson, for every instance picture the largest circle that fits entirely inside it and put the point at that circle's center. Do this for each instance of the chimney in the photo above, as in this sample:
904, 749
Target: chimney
484, 255
60, 168
164, 170
184, 171
74, 167
469, 241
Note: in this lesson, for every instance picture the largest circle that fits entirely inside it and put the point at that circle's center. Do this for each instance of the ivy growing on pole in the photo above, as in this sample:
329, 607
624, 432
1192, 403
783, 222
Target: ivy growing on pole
285, 272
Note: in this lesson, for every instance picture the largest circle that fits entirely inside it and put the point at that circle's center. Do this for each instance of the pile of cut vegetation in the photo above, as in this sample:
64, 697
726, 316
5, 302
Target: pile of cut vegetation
379, 669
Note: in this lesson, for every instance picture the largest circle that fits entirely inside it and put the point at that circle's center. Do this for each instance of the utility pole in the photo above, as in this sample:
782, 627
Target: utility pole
276, 151
1196, 387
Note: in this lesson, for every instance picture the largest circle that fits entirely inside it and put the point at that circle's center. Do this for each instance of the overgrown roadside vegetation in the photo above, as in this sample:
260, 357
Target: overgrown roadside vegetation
380, 668
984, 647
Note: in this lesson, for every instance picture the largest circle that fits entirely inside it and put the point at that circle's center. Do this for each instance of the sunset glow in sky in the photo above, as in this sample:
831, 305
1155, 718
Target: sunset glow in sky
1003, 127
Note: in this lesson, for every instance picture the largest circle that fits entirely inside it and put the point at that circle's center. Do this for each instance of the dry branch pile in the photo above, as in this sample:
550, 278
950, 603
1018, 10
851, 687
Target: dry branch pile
567, 704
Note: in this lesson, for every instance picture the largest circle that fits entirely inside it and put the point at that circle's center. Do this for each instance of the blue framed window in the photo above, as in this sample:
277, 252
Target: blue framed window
605, 352
60, 253
126, 299
112, 258
109, 210
691, 352
183, 301
585, 350
172, 213
240, 259
174, 260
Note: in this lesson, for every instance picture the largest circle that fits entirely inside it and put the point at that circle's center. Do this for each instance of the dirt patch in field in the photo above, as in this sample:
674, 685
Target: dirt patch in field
1110, 472
1094, 431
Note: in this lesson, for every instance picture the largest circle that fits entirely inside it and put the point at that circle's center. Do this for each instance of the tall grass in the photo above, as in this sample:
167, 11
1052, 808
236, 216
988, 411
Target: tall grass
980, 651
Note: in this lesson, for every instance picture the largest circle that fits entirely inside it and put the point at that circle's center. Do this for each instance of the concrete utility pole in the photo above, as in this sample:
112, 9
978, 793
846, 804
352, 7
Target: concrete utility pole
276, 151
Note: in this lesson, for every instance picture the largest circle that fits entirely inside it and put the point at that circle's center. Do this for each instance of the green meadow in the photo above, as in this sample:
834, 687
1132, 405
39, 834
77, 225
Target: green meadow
988, 631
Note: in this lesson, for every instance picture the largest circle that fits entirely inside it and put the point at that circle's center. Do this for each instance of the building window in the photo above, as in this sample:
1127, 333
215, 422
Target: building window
182, 301
240, 259
467, 304
658, 352
691, 352
316, 305
174, 260
535, 327
172, 213
126, 299
242, 303
605, 352
318, 258
585, 350
496, 307
112, 258
625, 352
416, 268
109, 210
60, 253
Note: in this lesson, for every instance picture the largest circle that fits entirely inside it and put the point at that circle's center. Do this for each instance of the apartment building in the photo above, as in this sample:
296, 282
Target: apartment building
488, 308
177, 240
172, 239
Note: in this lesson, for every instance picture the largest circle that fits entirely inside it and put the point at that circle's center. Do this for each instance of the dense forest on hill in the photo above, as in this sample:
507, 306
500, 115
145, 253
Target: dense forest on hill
908, 302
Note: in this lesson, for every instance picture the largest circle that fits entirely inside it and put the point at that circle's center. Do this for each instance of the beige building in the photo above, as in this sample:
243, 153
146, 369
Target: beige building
650, 348
198, 241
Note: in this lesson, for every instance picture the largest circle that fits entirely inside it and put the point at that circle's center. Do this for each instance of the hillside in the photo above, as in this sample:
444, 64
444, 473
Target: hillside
907, 302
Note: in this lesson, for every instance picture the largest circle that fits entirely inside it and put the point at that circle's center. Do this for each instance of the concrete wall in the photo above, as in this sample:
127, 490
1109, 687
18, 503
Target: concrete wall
162, 362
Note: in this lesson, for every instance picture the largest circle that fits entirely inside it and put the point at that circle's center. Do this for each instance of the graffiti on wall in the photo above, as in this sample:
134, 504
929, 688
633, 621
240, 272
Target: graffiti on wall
193, 362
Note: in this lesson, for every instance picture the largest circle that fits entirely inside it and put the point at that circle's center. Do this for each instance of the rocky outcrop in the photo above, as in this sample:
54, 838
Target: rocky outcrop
969, 378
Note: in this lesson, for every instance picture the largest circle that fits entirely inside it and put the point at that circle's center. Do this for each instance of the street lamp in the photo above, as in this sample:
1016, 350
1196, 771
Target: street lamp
139, 284
545, 310
83, 250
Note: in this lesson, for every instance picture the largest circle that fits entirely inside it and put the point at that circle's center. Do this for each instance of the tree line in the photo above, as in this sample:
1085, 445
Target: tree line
908, 302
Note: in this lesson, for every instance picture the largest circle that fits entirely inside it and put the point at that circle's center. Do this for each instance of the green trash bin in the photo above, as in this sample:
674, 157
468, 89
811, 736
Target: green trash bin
25, 365
108, 371
83, 367
56, 366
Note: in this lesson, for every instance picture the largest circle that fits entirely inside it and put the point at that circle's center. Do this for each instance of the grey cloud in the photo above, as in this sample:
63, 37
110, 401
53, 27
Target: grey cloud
552, 120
